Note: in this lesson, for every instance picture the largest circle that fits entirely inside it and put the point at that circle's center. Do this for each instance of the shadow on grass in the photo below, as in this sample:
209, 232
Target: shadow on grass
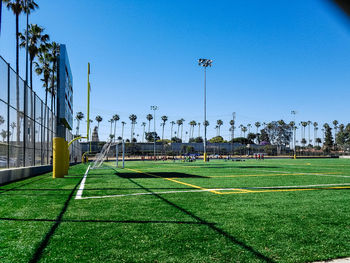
21, 185
242, 167
210, 225
105, 221
43, 244
158, 175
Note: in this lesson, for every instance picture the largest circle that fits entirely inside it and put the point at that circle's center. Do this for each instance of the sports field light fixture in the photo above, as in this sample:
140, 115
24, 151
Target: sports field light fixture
203, 62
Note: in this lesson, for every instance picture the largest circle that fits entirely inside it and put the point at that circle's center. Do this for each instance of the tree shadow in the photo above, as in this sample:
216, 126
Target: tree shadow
158, 175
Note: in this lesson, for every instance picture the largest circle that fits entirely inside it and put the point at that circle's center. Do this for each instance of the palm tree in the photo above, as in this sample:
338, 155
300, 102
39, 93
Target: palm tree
144, 127
171, 131
179, 123
133, 118
244, 130
79, 116
36, 39
219, 123
110, 132
199, 129
2, 120
257, 125
44, 68
115, 119
315, 131
149, 117
164, 119
241, 126
192, 125
13, 125
98, 119
303, 124
18, 7
182, 126
54, 50
309, 125
249, 126
292, 125
232, 129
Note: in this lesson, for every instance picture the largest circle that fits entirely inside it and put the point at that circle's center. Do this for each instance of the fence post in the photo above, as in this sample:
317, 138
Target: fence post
25, 113
8, 115
33, 105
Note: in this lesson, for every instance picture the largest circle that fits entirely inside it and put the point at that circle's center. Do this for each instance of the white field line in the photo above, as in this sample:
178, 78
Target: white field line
82, 185
216, 189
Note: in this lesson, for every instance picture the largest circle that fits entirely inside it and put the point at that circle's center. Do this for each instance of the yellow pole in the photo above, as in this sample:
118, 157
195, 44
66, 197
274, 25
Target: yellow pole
59, 155
76, 138
88, 103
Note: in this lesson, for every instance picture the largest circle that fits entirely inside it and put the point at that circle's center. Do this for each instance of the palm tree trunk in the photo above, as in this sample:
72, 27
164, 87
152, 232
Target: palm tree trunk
149, 126
123, 132
143, 135
182, 128
78, 127
115, 125
131, 133
171, 131
31, 72
163, 132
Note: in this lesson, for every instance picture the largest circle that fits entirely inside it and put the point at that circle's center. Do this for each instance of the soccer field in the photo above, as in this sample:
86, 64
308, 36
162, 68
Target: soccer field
221, 211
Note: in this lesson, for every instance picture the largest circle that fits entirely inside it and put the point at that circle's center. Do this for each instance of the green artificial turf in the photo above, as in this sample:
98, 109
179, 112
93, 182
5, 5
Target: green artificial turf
169, 212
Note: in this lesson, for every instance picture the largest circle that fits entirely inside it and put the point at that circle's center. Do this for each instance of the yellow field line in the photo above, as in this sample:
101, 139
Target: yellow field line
289, 190
175, 181
248, 175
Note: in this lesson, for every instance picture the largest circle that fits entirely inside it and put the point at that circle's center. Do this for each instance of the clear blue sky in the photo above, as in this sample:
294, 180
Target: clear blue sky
270, 57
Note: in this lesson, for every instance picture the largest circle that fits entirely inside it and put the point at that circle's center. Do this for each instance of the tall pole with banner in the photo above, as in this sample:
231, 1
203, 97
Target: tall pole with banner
64, 114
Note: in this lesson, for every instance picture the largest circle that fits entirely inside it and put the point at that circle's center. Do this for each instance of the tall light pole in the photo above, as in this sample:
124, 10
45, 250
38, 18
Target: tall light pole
293, 112
203, 62
154, 108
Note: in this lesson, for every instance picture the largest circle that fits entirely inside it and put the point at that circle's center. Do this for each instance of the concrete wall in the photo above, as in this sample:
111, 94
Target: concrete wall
10, 175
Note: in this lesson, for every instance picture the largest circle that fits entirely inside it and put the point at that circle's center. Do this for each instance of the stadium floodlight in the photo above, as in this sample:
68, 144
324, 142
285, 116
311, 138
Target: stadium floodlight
203, 62
154, 108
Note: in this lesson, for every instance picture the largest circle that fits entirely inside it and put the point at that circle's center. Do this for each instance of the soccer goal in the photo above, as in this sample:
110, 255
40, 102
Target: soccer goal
101, 156
107, 152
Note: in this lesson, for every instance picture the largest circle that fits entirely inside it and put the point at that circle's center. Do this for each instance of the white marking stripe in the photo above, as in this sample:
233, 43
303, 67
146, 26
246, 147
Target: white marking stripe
82, 185
216, 189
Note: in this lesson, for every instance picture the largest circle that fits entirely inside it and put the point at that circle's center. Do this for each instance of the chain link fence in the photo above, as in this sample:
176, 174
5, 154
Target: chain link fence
27, 124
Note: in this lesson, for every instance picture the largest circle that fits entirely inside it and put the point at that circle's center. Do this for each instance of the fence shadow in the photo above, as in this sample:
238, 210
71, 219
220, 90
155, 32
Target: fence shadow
158, 175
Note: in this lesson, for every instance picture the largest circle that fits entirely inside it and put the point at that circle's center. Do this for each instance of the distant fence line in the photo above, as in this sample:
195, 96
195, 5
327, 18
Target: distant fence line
27, 124
181, 148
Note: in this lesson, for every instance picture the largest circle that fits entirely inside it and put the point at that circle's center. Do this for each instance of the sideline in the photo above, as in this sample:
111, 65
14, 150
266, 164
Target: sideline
82, 185
248, 190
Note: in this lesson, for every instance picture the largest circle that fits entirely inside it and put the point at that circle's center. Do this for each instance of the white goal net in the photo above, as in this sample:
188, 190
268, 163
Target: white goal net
101, 156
